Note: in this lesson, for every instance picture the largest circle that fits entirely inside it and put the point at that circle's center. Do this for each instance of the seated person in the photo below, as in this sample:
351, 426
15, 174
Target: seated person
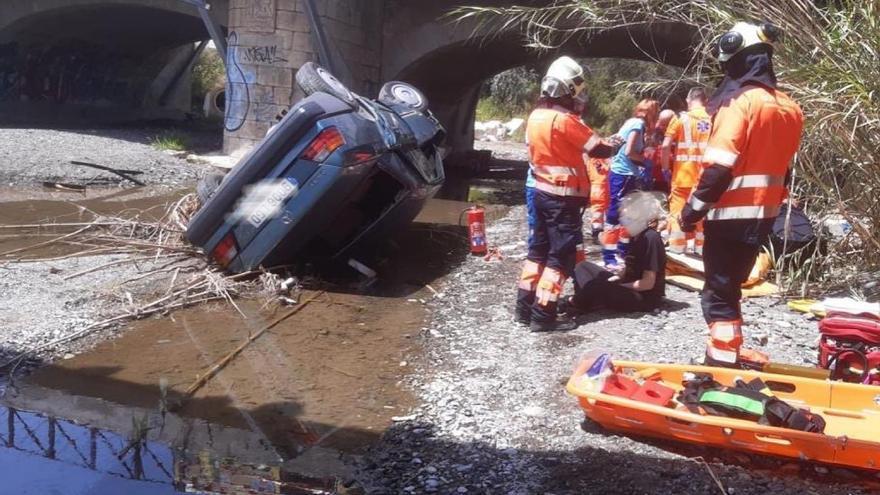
641, 285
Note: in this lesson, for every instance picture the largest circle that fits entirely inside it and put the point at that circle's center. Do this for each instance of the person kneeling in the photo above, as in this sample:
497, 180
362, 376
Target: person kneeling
642, 284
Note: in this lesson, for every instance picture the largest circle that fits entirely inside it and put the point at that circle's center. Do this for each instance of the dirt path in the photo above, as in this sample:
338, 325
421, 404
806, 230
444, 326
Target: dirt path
495, 418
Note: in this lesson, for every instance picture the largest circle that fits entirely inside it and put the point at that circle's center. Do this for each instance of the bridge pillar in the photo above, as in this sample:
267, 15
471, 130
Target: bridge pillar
270, 39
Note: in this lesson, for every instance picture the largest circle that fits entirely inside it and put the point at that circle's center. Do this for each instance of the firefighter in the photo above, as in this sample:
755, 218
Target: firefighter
689, 136
756, 131
557, 141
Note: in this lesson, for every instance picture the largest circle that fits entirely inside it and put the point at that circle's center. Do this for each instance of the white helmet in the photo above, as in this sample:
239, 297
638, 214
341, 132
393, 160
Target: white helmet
565, 77
744, 35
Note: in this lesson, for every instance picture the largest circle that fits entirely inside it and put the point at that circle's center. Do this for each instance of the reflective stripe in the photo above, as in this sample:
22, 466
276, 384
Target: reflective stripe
531, 272
688, 158
686, 127
743, 212
562, 190
676, 235
721, 355
756, 180
719, 156
699, 205
549, 287
691, 144
556, 170
725, 332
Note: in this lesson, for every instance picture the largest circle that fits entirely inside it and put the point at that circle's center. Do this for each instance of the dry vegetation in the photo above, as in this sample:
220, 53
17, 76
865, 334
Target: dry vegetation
828, 62
172, 273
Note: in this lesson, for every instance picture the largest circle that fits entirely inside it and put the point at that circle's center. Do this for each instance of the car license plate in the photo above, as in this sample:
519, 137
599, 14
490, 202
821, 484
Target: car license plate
265, 200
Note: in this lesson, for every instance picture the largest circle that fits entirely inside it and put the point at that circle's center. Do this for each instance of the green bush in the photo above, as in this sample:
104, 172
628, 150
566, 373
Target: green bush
209, 74
513, 93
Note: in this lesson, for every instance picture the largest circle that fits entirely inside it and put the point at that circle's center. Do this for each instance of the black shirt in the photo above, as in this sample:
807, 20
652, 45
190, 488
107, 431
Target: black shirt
647, 253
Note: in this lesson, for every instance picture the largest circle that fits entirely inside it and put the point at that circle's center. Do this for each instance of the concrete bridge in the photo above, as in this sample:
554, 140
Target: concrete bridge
98, 60
368, 42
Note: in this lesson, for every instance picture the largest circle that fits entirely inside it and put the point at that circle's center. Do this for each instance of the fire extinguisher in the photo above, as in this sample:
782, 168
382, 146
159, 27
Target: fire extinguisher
476, 218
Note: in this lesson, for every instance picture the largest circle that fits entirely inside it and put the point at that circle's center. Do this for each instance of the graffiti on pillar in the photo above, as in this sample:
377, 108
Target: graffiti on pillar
262, 55
260, 15
68, 72
238, 87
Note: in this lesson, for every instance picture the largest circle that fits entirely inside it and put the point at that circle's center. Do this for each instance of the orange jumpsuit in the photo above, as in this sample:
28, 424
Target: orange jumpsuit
690, 135
600, 197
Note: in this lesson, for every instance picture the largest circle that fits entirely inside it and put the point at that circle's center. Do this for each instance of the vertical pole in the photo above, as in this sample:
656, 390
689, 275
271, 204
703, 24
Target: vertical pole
319, 37
10, 440
50, 453
93, 448
213, 30
138, 462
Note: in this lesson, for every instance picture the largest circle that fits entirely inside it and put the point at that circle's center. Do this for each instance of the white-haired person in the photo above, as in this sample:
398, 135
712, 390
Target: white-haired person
642, 285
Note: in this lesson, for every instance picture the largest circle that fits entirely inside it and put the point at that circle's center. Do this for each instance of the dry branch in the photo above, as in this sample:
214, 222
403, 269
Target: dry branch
219, 365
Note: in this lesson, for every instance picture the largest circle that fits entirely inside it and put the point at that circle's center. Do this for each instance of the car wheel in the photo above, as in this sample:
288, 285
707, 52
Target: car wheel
313, 78
207, 186
403, 93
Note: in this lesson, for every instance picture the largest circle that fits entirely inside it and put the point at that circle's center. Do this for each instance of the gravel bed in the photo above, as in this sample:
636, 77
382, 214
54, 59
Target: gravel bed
32, 156
495, 417
39, 306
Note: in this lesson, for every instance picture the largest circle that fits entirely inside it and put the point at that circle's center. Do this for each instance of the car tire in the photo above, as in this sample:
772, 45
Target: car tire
312, 78
207, 186
402, 93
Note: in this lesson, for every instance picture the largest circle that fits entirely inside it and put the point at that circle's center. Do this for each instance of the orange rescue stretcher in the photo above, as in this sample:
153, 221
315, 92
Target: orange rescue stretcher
851, 412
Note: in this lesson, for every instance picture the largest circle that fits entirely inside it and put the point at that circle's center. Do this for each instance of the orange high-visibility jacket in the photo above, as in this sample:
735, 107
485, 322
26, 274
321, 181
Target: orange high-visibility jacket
756, 134
556, 140
597, 172
690, 134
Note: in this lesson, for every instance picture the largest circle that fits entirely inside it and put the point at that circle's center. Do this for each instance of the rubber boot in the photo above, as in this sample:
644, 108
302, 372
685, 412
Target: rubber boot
524, 301
558, 325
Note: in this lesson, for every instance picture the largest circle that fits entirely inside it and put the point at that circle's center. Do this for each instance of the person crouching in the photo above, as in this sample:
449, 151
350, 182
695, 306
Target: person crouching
642, 285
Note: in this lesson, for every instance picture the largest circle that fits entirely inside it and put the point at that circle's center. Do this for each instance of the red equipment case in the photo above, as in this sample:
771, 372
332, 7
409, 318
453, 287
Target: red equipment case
854, 340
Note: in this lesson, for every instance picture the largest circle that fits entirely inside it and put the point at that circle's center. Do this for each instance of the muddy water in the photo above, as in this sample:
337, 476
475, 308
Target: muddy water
110, 449
30, 207
327, 375
324, 383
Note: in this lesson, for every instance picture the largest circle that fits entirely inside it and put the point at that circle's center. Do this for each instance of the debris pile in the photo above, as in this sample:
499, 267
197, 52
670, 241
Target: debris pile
163, 271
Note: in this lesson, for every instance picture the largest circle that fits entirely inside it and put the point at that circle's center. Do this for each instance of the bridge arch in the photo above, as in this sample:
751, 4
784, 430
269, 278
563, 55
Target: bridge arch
96, 60
449, 63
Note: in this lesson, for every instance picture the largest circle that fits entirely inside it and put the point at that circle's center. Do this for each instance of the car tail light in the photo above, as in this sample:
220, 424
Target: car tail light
358, 157
322, 146
226, 251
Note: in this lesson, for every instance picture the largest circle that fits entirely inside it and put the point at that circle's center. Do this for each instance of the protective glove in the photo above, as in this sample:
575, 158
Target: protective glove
686, 226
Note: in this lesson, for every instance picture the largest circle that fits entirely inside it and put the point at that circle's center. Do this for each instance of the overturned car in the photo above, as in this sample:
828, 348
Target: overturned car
338, 173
